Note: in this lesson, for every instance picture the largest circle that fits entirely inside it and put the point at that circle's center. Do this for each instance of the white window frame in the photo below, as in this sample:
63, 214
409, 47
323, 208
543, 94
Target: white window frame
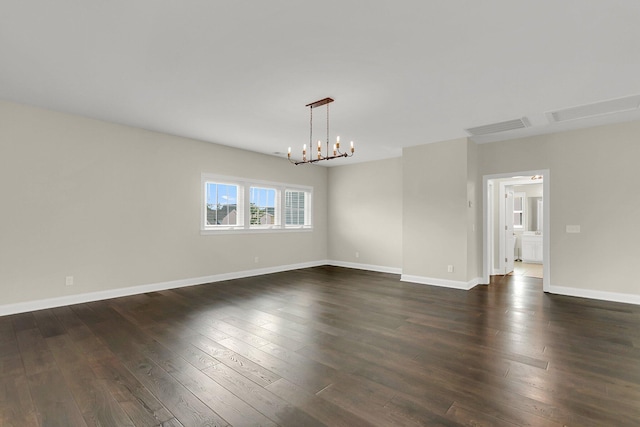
307, 211
523, 198
243, 206
239, 204
277, 203
308, 201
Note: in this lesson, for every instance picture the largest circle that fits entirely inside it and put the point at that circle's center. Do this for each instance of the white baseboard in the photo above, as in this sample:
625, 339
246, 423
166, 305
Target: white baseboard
27, 306
591, 294
42, 304
369, 267
455, 284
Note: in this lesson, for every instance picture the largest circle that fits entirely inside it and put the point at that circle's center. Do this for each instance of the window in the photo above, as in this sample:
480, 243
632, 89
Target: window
518, 210
236, 204
263, 206
294, 208
222, 204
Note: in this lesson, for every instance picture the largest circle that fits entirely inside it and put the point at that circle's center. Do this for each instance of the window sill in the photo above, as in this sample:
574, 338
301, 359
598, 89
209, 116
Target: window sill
210, 232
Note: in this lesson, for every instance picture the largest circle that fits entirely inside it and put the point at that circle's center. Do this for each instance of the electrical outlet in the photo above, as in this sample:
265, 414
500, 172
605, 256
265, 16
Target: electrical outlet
256, 260
357, 254
450, 269
573, 228
68, 281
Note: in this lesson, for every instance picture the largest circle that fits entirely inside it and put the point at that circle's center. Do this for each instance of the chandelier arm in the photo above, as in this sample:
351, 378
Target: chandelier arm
345, 154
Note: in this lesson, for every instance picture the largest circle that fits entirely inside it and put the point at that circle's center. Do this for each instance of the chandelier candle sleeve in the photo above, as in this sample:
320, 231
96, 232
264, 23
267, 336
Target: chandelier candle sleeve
328, 155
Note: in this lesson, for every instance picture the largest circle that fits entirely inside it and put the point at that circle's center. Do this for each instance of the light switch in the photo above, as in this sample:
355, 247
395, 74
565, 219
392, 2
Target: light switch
573, 228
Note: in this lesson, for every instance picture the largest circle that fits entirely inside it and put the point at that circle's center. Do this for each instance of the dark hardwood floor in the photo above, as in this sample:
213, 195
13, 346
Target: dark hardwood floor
325, 346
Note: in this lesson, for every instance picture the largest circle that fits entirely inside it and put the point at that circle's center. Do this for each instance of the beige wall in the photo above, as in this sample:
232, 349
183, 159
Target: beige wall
592, 184
115, 207
365, 213
435, 210
474, 214
591, 177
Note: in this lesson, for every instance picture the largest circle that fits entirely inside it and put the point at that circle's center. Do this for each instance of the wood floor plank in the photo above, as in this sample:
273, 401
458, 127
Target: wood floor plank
231, 407
239, 363
270, 336
48, 323
11, 365
272, 406
55, 405
179, 342
7, 333
143, 356
475, 418
311, 377
372, 402
67, 318
186, 407
140, 404
16, 406
325, 411
23, 321
97, 405
36, 356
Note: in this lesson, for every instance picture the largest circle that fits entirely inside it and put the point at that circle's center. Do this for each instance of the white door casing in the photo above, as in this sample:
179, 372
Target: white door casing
508, 178
509, 236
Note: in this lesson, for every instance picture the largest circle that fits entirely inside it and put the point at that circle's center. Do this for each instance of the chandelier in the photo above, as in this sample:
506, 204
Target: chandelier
310, 158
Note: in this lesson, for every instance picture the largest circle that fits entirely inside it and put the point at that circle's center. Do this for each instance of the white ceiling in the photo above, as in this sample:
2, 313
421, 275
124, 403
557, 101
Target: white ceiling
239, 73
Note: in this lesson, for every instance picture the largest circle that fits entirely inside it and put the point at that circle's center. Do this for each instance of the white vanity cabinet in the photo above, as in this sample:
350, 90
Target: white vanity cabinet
532, 248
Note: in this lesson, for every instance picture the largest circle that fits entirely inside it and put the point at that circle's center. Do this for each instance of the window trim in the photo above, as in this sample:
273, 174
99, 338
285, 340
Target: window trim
308, 214
239, 205
277, 207
243, 203
523, 196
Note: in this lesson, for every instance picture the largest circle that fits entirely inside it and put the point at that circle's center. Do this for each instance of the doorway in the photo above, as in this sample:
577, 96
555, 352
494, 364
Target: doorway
516, 217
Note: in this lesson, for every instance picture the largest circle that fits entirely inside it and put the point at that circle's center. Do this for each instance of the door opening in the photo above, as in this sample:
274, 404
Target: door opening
516, 214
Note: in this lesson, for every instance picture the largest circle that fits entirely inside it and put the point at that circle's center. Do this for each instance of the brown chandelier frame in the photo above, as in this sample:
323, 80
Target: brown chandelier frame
319, 156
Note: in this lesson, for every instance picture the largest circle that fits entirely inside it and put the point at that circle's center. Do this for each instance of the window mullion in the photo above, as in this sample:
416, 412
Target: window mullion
246, 211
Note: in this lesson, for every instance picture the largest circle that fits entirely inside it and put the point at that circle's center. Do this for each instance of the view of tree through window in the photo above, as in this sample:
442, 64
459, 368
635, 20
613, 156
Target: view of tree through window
222, 204
263, 205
